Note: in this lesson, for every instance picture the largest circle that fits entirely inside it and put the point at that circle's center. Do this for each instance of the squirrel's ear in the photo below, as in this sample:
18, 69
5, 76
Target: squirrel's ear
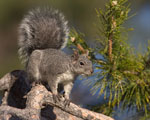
86, 53
75, 55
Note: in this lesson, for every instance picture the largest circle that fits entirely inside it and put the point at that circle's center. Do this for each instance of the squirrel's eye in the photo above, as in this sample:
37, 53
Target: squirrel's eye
81, 63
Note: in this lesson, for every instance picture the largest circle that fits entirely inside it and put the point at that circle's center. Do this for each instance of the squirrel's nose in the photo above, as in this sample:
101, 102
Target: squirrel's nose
92, 70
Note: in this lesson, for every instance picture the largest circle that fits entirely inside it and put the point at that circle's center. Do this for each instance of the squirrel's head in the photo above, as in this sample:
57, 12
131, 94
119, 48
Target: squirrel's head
81, 64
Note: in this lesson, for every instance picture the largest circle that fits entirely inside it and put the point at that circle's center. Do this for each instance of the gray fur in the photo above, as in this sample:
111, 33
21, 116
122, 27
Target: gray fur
53, 66
42, 33
41, 29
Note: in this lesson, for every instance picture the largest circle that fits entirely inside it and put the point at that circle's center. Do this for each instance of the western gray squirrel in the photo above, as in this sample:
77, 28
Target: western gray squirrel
43, 32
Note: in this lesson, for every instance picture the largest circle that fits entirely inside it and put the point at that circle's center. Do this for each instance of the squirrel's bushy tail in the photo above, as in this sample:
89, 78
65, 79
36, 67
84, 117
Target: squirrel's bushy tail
42, 28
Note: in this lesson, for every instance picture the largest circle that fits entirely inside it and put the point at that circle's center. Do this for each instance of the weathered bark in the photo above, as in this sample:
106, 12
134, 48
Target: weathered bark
21, 103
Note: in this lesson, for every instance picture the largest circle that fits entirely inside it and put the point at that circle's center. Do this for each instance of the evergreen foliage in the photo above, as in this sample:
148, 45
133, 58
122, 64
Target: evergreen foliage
123, 77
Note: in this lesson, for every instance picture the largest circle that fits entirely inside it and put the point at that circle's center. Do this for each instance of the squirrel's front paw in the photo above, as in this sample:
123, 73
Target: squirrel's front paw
57, 98
66, 102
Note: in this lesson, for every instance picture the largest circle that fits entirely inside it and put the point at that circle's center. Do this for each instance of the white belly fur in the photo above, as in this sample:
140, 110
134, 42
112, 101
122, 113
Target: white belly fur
65, 77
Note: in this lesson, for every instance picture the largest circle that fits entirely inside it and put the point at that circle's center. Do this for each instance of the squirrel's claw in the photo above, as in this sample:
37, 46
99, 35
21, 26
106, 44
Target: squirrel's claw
57, 98
36, 83
66, 102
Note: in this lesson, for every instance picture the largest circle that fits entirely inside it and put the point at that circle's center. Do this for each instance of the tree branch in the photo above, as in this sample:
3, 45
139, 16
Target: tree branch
38, 103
